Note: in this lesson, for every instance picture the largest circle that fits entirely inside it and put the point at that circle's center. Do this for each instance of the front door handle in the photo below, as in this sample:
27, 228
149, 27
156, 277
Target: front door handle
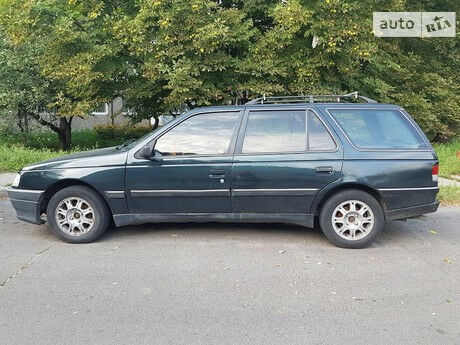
324, 170
216, 173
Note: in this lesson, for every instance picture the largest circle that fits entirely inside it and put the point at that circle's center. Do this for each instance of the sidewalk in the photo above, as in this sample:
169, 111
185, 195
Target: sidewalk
447, 182
6, 179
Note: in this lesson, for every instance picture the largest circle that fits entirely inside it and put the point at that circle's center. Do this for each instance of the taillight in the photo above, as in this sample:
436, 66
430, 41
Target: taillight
435, 172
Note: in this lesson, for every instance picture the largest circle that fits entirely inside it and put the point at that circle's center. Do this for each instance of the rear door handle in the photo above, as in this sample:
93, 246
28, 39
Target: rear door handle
324, 170
216, 173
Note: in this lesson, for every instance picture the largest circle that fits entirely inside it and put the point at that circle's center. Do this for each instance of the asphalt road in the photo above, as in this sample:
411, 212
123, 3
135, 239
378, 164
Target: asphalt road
230, 284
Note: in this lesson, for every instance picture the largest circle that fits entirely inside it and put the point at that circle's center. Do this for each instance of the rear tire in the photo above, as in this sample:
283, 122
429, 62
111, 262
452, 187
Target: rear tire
77, 214
351, 219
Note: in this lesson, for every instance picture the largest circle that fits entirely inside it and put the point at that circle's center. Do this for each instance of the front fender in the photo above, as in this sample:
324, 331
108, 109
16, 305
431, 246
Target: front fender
102, 179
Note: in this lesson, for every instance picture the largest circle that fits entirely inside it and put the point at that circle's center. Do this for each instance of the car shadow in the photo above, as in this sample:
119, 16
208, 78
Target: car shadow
395, 233
215, 230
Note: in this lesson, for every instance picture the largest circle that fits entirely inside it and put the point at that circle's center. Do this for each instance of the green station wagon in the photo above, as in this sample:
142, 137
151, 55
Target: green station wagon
343, 162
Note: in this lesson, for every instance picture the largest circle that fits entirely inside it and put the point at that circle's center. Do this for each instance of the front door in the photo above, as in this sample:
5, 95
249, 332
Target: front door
190, 171
283, 158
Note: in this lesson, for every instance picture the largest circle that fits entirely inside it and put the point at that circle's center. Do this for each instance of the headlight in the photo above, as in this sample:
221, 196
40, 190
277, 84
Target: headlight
16, 180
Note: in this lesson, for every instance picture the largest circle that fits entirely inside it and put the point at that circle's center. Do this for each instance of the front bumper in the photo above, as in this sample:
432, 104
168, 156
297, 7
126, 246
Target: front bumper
412, 211
26, 202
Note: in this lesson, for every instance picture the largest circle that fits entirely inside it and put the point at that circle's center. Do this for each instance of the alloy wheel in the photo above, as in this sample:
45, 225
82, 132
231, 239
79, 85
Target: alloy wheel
75, 216
353, 220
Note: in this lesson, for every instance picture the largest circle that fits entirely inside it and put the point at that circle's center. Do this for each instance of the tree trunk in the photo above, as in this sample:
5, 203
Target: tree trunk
64, 130
155, 124
244, 99
112, 115
20, 121
26, 122
65, 133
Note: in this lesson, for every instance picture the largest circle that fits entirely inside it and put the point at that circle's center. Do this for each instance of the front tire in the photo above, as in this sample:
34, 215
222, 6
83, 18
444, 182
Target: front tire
351, 219
77, 214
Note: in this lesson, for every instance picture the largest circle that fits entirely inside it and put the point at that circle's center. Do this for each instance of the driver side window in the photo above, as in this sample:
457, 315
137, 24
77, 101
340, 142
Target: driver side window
204, 134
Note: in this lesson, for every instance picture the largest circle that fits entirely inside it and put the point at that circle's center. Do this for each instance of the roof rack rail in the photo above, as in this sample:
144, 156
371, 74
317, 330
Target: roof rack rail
310, 99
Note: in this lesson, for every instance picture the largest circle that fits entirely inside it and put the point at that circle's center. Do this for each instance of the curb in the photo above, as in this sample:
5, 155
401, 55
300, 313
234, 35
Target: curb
3, 192
443, 181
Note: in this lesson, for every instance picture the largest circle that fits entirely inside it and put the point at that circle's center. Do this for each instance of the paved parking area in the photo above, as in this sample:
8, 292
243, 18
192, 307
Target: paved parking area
230, 284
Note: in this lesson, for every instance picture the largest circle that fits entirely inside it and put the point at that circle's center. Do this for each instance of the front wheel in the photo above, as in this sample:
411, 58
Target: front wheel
351, 219
77, 214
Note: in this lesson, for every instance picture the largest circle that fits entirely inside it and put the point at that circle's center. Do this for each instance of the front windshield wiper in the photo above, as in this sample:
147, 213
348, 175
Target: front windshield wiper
119, 147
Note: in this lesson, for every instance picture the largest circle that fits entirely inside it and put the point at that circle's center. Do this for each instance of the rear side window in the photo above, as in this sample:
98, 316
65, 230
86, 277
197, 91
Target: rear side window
378, 129
205, 134
275, 131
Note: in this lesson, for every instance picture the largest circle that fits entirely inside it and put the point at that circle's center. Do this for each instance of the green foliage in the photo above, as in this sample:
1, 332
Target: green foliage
121, 132
18, 150
75, 53
449, 163
15, 157
23, 89
161, 55
102, 136
419, 74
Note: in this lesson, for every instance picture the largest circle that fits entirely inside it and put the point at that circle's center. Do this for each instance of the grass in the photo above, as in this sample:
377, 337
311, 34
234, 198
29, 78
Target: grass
81, 140
449, 195
14, 157
17, 151
449, 164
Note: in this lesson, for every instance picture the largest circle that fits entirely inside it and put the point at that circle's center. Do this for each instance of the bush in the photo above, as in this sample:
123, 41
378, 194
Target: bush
121, 132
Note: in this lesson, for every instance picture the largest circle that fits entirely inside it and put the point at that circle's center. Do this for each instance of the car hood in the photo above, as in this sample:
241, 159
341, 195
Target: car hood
109, 156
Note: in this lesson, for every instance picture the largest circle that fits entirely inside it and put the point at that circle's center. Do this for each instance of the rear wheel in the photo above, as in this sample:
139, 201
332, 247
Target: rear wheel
351, 219
77, 214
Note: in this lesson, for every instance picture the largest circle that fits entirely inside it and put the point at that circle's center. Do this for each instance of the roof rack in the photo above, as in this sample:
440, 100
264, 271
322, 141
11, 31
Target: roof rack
311, 99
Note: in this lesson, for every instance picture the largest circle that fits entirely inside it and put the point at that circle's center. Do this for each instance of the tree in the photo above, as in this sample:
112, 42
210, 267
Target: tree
419, 74
185, 51
206, 52
70, 66
24, 91
161, 55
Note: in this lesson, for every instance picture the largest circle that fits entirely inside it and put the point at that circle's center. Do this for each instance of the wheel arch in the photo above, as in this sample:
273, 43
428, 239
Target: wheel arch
59, 185
323, 197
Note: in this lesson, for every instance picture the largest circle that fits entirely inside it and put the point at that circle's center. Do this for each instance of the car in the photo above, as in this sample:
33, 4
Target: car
343, 162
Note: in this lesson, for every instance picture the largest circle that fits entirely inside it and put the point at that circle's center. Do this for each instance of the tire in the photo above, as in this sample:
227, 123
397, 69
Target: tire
362, 220
77, 214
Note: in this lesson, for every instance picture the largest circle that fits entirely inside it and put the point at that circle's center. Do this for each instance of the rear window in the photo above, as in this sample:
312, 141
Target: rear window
378, 129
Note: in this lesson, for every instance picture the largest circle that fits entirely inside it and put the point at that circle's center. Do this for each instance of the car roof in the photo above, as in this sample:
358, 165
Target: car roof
225, 108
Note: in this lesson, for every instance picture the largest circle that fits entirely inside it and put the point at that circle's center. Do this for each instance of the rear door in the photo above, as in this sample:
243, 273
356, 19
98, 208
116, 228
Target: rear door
282, 159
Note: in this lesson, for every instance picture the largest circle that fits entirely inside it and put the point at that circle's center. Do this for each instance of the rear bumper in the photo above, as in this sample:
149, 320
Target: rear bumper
412, 211
26, 203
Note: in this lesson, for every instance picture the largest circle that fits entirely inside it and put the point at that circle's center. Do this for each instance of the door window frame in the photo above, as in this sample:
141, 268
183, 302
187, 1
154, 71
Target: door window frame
231, 146
244, 123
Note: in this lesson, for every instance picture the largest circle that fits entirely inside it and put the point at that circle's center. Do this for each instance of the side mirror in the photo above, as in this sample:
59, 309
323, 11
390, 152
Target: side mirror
145, 152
